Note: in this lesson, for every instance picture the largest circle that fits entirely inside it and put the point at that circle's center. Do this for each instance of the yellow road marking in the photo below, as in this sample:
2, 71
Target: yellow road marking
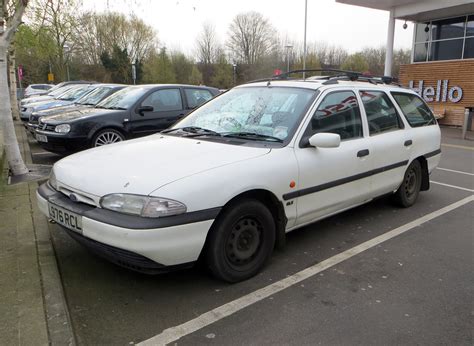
457, 146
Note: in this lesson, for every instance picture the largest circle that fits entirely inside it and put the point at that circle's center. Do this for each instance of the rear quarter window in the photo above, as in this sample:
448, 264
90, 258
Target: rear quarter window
414, 109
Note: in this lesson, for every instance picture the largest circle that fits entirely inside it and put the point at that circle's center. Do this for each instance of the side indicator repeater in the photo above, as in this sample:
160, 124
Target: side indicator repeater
292, 184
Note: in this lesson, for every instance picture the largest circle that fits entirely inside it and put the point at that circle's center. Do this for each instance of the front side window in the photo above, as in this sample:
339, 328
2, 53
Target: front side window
337, 113
164, 100
415, 110
197, 97
381, 113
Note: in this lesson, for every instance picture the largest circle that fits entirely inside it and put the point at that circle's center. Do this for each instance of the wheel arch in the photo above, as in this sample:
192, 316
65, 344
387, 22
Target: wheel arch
94, 131
274, 205
425, 176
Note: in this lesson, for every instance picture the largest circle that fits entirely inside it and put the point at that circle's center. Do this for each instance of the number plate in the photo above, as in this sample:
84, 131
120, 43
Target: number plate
41, 138
65, 218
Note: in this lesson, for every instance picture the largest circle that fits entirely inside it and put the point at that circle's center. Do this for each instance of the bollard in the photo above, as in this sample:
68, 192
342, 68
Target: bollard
466, 121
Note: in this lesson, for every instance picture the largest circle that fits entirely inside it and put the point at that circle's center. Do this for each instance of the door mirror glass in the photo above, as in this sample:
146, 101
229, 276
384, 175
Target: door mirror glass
325, 140
143, 109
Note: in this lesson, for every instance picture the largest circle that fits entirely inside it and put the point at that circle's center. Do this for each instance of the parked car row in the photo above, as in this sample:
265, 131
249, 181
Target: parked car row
228, 181
76, 117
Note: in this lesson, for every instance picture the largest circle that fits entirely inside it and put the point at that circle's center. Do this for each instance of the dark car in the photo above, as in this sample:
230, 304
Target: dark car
99, 93
132, 112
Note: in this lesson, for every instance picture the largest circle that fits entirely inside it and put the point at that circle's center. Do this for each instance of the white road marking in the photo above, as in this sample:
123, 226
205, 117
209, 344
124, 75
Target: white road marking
453, 186
452, 170
175, 333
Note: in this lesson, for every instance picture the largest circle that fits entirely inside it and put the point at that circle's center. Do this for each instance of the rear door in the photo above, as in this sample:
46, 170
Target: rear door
168, 106
390, 141
196, 97
333, 179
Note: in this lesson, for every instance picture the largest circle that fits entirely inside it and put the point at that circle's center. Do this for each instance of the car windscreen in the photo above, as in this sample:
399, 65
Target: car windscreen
94, 97
75, 93
59, 91
265, 111
123, 99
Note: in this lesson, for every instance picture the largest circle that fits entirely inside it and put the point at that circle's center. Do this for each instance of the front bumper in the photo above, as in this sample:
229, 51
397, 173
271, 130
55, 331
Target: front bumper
141, 244
62, 143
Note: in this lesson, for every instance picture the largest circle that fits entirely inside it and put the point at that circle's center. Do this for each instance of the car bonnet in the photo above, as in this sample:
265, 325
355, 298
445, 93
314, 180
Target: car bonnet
141, 166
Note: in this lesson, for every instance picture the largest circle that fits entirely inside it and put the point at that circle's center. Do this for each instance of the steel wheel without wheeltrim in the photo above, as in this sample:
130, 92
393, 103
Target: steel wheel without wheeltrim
244, 242
409, 190
107, 137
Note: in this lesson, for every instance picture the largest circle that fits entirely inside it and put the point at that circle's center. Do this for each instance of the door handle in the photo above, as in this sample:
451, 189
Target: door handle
362, 153
408, 143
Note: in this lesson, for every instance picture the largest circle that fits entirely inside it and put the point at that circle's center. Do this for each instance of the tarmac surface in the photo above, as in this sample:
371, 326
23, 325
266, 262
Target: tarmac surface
416, 288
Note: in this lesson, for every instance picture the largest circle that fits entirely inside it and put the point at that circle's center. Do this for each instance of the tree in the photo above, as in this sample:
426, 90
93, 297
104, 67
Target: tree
157, 68
182, 67
7, 33
222, 77
118, 64
59, 19
207, 51
251, 37
355, 62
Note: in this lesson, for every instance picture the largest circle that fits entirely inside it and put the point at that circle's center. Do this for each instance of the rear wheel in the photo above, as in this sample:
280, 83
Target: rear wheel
408, 192
241, 241
107, 136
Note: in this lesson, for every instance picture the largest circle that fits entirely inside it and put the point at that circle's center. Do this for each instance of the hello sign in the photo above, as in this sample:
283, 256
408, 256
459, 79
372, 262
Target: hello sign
441, 93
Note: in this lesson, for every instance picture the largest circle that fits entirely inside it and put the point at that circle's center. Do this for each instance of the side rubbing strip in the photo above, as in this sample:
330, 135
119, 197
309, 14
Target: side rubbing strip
433, 153
342, 181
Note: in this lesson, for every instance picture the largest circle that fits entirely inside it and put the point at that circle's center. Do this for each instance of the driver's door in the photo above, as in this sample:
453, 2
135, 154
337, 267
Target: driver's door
167, 107
333, 179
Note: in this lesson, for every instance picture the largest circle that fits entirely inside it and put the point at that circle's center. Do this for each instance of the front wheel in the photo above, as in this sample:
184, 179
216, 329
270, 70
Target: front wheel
241, 241
408, 192
107, 136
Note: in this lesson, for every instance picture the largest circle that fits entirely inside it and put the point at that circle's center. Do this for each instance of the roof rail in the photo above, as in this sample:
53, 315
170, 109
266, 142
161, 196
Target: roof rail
341, 75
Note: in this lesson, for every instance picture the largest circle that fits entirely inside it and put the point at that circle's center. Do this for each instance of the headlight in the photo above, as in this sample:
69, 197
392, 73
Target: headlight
52, 180
63, 128
142, 205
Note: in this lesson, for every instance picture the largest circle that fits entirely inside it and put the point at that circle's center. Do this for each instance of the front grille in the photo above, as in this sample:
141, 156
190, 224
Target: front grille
46, 127
34, 119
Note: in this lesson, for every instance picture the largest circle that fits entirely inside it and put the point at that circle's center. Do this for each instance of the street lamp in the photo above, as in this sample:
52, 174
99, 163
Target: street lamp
288, 47
234, 73
304, 41
67, 49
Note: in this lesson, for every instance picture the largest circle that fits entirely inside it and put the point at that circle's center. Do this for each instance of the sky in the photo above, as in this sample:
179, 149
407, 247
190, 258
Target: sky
178, 22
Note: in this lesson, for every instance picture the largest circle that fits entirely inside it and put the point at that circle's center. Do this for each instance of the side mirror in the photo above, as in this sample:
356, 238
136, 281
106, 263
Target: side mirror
143, 109
325, 140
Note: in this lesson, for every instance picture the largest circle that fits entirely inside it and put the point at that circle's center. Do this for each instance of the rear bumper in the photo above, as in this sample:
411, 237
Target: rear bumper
164, 244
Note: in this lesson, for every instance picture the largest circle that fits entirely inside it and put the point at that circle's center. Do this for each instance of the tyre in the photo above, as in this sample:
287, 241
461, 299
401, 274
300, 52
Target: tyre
241, 241
409, 190
107, 136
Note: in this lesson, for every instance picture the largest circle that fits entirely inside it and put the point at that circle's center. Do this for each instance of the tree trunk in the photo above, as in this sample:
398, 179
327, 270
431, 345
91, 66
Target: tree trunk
12, 150
13, 83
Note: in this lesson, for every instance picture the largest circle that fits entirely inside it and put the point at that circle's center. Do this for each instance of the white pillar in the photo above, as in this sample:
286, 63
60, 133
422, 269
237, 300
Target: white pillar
389, 50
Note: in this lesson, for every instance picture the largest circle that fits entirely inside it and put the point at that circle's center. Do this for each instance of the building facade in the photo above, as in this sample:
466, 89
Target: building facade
442, 67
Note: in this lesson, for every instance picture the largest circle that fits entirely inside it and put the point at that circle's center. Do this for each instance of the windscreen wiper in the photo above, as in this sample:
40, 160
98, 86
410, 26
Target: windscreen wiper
252, 136
194, 131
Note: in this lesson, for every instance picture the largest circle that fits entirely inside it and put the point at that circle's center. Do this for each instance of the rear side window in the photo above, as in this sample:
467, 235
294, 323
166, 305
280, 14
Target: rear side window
337, 113
415, 110
197, 97
381, 113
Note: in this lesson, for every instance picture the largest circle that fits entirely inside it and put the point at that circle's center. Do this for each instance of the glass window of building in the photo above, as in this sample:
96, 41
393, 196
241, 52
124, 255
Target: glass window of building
469, 48
445, 39
470, 26
446, 50
448, 28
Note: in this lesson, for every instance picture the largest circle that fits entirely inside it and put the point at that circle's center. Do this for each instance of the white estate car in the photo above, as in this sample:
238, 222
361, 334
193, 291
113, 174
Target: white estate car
228, 181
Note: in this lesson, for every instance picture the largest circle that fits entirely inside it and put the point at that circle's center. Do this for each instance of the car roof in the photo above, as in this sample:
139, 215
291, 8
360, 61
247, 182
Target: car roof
150, 86
322, 84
